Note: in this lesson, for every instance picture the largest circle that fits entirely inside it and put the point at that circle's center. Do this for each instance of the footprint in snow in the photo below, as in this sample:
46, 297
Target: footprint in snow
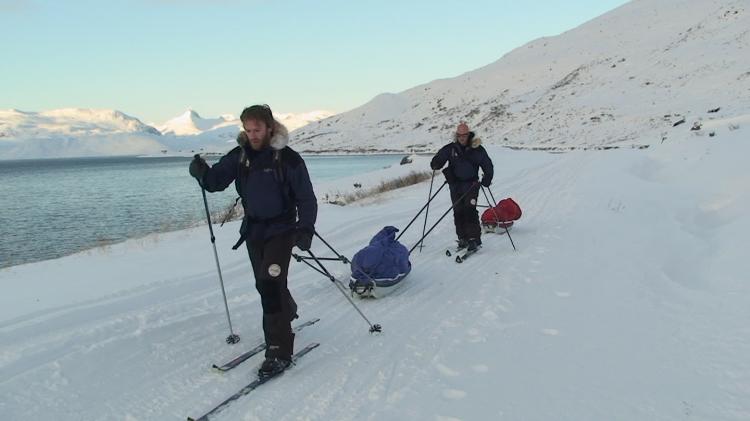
454, 394
475, 336
446, 371
480, 368
442, 418
490, 315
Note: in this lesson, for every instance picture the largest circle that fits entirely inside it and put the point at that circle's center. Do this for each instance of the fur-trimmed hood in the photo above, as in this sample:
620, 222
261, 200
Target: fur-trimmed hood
475, 141
279, 140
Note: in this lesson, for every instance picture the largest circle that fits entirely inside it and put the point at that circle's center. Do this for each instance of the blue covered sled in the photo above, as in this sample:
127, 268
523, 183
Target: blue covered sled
381, 266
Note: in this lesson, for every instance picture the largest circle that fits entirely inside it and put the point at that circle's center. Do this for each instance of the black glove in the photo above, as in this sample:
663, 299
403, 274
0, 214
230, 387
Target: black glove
198, 167
303, 238
486, 181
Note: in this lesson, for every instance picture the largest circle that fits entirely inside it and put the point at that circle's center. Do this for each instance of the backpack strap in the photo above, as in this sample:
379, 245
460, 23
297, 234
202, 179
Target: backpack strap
279, 170
242, 168
281, 178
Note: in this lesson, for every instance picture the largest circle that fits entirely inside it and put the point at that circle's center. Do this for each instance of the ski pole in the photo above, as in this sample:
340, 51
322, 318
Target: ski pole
339, 255
232, 338
229, 214
506, 228
429, 196
373, 328
304, 260
496, 217
421, 210
473, 185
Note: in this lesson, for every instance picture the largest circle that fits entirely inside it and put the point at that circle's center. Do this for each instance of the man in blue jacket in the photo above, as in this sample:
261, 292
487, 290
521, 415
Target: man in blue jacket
280, 212
465, 155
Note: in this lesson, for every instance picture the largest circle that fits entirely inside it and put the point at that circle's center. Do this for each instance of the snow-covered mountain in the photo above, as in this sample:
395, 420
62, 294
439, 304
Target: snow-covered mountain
632, 77
94, 132
74, 132
649, 64
191, 123
294, 121
74, 122
190, 133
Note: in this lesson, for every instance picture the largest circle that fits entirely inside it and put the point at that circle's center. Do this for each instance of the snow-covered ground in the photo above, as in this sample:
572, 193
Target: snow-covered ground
626, 300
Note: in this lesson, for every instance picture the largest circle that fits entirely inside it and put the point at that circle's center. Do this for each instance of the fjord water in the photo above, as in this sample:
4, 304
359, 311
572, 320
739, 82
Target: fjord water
55, 207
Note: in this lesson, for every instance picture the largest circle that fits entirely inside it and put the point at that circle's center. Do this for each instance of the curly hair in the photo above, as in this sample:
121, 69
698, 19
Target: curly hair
261, 112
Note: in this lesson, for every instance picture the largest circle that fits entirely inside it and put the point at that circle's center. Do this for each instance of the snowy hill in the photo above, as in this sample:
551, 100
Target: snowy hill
293, 121
69, 122
190, 133
190, 123
644, 67
74, 132
87, 132
626, 300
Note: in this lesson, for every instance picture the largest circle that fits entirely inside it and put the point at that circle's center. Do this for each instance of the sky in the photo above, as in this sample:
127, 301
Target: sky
155, 59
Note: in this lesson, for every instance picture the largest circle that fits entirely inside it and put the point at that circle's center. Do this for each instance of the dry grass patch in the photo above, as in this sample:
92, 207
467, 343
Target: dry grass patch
412, 178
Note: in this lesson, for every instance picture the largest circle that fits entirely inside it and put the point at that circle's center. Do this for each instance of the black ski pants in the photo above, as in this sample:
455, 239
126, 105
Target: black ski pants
270, 261
465, 215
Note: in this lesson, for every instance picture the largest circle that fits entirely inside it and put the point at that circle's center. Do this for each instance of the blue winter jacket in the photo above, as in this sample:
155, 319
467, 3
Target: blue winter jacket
464, 161
384, 260
274, 185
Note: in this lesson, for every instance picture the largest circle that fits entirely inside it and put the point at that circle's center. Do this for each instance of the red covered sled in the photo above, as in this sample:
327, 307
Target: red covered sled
501, 216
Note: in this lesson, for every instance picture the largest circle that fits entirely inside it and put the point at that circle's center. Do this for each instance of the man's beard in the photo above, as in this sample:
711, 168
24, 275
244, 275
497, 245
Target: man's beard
265, 142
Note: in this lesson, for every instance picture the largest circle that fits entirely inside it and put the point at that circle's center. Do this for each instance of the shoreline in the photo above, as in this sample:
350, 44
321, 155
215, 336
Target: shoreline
103, 244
